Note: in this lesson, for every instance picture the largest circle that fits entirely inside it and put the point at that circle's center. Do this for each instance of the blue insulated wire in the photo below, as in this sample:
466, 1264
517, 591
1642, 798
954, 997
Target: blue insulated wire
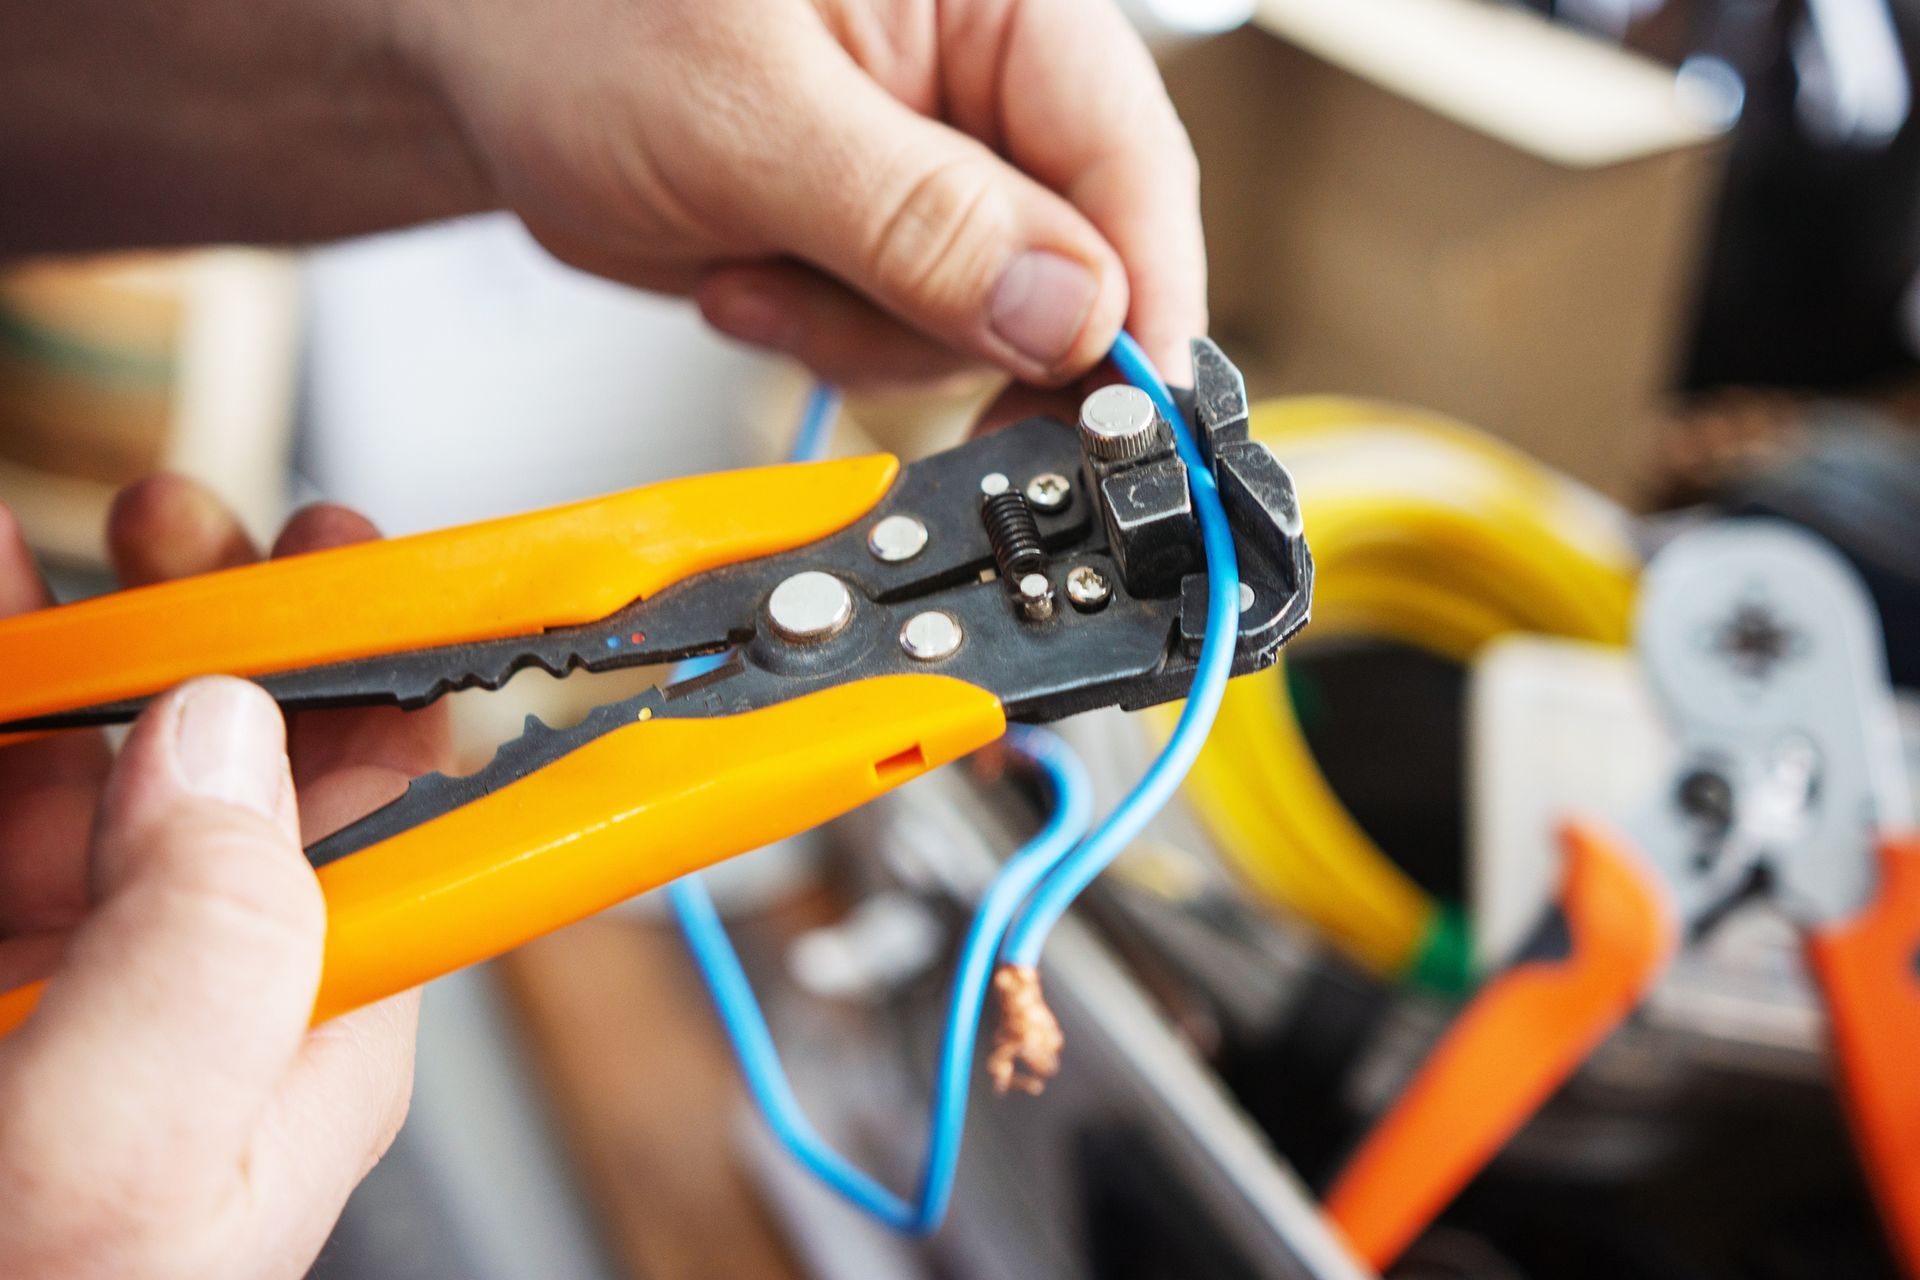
1052, 869
1163, 777
1070, 793
1071, 798
816, 424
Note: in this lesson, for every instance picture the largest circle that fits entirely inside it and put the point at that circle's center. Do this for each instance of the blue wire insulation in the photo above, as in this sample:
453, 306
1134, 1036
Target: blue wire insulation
1071, 794
816, 424
1079, 868
1053, 868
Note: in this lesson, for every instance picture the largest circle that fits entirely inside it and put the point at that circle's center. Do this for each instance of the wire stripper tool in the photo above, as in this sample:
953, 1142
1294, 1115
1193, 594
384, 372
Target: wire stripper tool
877, 621
1765, 651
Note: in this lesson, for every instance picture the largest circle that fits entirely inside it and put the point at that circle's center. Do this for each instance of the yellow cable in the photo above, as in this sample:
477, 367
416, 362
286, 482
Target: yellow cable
1429, 533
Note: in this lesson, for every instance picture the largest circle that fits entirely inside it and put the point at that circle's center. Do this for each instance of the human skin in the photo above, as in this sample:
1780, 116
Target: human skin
165, 1111
888, 190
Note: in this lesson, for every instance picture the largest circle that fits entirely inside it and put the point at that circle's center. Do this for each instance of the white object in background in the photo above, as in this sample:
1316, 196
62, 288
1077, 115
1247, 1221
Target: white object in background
1907, 707
238, 343
1710, 89
457, 372
1854, 88
1555, 729
885, 942
1166, 22
1539, 87
1609, 18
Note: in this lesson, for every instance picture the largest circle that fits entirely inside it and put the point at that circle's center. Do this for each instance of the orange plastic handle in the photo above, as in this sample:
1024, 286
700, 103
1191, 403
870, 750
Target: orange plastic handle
625, 813
1869, 970
1518, 1040
514, 576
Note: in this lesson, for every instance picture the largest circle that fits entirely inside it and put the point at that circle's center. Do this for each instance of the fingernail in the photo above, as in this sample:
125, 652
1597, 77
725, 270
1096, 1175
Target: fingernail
231, 745
750, 316
1041, 303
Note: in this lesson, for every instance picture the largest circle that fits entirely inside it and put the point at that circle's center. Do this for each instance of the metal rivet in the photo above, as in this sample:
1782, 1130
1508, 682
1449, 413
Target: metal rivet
931, 636
993, 484
810, 607
897, 538
1087, 588
1246, 597
1036, 597
1049, 491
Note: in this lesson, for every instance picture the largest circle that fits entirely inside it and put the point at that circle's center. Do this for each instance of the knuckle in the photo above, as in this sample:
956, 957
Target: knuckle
239, 868
941, 236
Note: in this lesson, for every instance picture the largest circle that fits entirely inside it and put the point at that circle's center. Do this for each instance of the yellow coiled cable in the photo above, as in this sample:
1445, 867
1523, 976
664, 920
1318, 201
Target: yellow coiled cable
1429, 533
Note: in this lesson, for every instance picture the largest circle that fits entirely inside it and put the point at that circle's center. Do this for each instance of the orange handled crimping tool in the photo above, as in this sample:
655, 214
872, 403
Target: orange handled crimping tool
1766, 652
878, 621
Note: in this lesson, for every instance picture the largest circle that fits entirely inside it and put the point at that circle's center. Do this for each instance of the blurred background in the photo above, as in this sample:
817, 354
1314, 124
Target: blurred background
1518, 288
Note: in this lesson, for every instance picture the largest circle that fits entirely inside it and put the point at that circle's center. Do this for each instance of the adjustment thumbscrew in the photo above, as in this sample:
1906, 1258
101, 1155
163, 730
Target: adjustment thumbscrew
1118, 424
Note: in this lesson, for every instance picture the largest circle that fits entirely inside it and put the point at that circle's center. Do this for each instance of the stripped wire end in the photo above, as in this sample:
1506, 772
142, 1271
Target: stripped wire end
1027, 1045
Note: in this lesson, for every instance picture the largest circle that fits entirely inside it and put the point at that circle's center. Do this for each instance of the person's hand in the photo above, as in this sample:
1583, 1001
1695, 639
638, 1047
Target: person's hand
165, 1111
890, 190
885, 189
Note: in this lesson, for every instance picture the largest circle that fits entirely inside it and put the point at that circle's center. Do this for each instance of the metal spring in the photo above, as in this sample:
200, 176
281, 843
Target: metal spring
1015, 535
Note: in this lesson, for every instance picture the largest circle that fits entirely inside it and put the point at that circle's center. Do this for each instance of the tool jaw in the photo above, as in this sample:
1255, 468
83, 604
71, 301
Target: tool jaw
1127, 648
1221, 413
1154, 536
1276, 567
1125, 522
1766, 653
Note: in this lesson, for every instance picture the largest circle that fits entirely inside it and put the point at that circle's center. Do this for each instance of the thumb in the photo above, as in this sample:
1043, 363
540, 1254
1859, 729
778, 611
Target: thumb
186, 992
938, 230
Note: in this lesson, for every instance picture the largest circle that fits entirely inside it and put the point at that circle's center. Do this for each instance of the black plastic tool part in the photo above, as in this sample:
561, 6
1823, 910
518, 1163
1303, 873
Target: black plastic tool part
1137, 651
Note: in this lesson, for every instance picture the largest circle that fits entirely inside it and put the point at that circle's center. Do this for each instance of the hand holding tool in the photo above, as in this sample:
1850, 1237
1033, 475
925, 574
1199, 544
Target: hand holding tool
879, 621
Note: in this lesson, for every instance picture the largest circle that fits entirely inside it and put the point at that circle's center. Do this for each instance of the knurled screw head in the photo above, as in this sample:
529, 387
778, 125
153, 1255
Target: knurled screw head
1087, 588
1118, 424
